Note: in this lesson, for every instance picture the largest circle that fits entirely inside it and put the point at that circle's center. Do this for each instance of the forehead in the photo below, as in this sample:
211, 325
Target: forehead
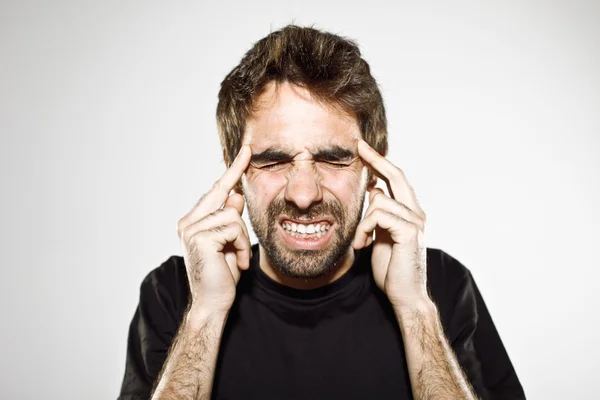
289, 118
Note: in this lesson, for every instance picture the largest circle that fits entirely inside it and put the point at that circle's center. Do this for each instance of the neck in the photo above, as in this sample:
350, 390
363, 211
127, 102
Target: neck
342, 266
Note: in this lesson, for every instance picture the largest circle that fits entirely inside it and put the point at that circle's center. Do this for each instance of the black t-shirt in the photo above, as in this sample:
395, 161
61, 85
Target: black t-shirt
340, 341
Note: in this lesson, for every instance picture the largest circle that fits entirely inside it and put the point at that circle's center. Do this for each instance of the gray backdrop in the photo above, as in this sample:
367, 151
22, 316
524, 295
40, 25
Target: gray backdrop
108, 137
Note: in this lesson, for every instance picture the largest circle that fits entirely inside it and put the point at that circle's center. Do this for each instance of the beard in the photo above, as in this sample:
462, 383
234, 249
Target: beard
303, 263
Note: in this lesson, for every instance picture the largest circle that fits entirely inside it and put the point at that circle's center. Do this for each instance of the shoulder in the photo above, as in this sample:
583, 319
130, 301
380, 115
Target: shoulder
449, 281
167, 284
167, 273
441, 266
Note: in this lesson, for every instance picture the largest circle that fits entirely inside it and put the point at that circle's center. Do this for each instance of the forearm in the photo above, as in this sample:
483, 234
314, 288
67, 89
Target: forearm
188, 371
432, 366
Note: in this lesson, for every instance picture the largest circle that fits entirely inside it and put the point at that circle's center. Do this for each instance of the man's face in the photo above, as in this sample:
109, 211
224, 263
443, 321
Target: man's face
306, 184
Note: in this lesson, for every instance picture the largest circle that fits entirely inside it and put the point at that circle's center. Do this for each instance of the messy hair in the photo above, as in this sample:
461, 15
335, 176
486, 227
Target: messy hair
329, 66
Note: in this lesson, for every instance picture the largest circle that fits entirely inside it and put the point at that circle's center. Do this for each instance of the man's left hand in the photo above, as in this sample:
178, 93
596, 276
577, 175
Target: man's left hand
399, 252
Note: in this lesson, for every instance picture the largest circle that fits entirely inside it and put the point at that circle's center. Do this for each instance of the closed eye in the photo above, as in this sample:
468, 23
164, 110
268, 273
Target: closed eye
328, 163
335, 164
273, 165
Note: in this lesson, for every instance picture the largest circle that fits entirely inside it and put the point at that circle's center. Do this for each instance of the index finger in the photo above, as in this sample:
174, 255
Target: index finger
234, 173
399, 188
217, 196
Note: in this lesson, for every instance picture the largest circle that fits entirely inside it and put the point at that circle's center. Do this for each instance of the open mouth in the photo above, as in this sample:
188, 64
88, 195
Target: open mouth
313, 235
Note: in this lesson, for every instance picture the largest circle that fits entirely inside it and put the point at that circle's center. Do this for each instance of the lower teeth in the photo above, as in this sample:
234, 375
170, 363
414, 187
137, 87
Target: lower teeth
305, 235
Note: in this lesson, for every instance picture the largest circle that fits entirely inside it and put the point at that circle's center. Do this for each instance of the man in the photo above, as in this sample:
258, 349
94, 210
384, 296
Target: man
329, 304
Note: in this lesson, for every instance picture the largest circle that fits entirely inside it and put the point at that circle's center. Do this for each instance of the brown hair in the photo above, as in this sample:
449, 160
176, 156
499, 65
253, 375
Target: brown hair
329, 66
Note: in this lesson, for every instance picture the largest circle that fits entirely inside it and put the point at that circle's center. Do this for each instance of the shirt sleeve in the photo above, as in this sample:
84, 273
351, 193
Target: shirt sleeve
478, 347
152, 329
499, 375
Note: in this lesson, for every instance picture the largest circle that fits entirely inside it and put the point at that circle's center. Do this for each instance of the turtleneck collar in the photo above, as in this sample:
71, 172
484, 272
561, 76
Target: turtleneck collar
309, 306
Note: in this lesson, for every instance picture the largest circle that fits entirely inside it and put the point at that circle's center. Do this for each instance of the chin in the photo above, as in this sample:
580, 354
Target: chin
305, 263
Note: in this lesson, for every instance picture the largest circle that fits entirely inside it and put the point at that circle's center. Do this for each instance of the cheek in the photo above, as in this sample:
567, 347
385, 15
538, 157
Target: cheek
345, 184
263, 186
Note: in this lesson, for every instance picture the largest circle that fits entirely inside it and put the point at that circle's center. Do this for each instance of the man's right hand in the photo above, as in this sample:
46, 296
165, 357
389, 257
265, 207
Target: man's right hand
215, 241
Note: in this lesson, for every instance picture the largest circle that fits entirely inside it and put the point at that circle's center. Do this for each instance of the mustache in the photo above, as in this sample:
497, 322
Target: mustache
329, 208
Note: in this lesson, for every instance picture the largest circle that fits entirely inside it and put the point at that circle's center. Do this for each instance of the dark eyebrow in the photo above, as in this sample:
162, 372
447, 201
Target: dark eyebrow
269, 155
335, 153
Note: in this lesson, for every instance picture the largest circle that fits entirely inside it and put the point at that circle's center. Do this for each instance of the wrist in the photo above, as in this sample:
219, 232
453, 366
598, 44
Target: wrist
424, 309
199, 317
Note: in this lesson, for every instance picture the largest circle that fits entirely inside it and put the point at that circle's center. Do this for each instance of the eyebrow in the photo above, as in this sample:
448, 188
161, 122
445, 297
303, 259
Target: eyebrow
332, 153
335, 153
270, 155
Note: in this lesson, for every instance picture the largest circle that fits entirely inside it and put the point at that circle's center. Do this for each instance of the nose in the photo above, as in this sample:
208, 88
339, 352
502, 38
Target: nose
303, 185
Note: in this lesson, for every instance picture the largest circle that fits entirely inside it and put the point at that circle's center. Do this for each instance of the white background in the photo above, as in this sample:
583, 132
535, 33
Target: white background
108, 137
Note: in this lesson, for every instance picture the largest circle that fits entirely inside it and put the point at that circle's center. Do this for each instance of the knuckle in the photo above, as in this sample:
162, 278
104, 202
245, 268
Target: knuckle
200, 200
379, 214
179, 228
184, 236
240, 230
245, 230
183, 230
376, 197
231, 213
237, 218
202, 208
397, 173
217, 229
239, 227
212, 215
233, 226
414, 230
196, 240
219, 186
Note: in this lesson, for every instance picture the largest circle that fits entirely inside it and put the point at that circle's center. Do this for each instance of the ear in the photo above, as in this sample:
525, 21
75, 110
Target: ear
372, 181
372, 177
238, 188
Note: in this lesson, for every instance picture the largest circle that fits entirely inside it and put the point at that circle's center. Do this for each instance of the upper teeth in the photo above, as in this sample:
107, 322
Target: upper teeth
310, 228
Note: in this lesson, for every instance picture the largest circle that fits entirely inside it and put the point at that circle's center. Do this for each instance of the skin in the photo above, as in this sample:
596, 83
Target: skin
400, 271
399, 264
217, 248
290, 122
